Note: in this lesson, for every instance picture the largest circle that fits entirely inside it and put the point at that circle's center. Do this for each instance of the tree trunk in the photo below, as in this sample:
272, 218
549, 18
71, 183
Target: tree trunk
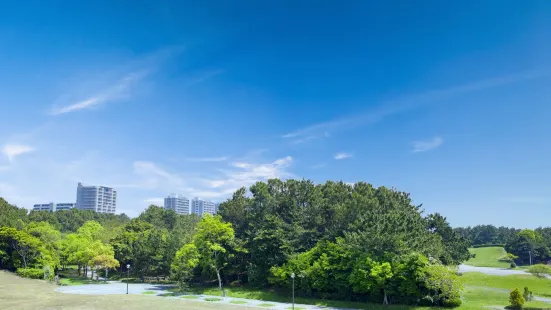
24, 261
219, 279
106, 273
385, 300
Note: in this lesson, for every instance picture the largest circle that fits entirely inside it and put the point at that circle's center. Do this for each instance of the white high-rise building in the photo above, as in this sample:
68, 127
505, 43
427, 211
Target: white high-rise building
53, 206
201, 207
179, 204
96, 198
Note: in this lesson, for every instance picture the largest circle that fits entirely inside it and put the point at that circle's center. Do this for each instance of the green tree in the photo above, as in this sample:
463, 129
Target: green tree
20, 248
11, 216
516, 299
215, 243
185, 261
456, 247
540, 270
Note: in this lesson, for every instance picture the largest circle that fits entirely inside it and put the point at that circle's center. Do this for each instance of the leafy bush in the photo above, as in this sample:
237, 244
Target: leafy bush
452, 303
527, 294
444, 288
540, 270
513, 265
32, 273
516, 299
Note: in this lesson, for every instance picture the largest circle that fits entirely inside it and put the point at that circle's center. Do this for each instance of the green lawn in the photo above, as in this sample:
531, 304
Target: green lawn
540, 286
238, 302
480, 291
78, 281
149, 293
488, 257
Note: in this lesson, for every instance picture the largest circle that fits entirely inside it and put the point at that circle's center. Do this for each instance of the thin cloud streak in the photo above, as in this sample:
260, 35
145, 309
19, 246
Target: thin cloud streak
342, 155
427, 145
120, 90
404, 104
11, 151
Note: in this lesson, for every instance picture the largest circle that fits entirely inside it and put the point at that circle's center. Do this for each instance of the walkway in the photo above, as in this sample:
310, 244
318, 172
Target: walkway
117, 288
494, 271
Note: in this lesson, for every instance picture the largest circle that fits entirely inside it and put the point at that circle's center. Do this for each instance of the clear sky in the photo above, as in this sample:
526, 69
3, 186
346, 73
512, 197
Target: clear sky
447, 100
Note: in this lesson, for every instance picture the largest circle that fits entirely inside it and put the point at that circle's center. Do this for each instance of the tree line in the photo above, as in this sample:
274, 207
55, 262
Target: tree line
342, 241
524, 246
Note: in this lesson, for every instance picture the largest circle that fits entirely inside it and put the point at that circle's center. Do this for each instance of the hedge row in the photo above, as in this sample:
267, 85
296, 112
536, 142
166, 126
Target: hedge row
33, 273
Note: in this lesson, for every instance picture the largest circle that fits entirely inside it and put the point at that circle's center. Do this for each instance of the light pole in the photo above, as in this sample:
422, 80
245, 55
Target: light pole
127, 277
293, 277
530, 253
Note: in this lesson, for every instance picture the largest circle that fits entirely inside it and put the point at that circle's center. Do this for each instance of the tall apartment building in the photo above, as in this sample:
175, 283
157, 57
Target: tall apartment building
179, 204
201, 207
53, 206
96, 198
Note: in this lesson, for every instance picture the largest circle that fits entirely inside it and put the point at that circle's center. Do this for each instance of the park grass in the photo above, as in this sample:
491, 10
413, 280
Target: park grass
488, 257
480, 297
266, 305
19, 294
70, 281
238, 302
540, 286
190, 297
149, 293
213, 299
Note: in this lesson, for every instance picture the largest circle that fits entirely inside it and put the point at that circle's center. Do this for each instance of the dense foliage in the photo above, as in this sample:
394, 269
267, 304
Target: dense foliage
354, 242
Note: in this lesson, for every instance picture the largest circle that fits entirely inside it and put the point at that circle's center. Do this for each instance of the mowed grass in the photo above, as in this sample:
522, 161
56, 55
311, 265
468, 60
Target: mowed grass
540, 286
488, 257
482, 297
21, 294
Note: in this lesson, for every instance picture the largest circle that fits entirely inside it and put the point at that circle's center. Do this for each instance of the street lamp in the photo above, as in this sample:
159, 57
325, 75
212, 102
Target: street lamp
293, 277
127, 277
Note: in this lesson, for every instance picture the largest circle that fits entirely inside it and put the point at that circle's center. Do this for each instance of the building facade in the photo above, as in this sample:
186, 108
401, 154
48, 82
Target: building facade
54, 206
201, 207
100, 199
179, 204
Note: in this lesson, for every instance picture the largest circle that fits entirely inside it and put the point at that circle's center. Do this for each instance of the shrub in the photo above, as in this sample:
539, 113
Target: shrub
516, 299
513, 265
452, 303
526, 294
540, 270
32, 273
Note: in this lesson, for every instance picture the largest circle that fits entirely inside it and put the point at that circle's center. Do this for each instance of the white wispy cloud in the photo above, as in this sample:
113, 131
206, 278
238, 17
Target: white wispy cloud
342, 155
120, 89
208, 159
11, 151
401, 105
427, 145
154, 177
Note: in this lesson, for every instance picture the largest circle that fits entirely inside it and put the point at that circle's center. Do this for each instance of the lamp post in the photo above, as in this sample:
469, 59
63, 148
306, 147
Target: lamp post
293, 277
530, 253
127, 277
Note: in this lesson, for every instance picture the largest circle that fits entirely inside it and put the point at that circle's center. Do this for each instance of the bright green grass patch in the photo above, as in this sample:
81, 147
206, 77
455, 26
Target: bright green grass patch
480, 297
540, 286
190, 297
488, 257
265, 305
213, 299
296, 308
238, 302
78, 281
149, 293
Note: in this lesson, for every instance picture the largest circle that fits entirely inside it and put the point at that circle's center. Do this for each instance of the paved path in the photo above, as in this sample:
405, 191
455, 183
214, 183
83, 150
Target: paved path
117, 288
494, 271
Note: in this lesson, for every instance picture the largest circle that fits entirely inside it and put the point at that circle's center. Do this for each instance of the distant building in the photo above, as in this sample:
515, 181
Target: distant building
179, 204
64, 206
216, 207
201, 207
96, 198
53, 207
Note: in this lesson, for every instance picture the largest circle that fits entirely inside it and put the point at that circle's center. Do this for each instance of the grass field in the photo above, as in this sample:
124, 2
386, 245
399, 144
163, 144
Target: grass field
480, 291
488, 257
25, 294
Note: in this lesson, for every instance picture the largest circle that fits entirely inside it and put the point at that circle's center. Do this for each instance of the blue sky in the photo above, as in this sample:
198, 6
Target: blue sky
449, 101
